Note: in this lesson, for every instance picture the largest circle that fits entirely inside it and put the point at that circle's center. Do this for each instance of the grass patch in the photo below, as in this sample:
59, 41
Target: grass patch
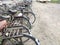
55, 1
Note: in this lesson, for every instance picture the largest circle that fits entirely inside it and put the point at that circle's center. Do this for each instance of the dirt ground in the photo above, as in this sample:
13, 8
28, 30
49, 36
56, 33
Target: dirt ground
47, 25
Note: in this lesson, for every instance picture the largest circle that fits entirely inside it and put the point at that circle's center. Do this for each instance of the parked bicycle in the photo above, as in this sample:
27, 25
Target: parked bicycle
18, 30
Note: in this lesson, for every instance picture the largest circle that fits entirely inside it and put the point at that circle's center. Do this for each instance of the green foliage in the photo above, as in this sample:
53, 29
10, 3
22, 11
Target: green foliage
0, 39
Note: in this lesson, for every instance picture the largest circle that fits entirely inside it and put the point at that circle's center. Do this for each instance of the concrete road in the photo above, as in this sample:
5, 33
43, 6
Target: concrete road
47, 25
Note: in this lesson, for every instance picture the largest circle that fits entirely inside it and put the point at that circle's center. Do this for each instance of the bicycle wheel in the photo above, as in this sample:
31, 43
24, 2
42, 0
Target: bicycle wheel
31, 16
22, 38
22, 21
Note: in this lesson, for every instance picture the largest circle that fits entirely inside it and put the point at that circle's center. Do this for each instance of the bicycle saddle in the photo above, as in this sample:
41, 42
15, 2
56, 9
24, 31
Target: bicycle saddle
12, 11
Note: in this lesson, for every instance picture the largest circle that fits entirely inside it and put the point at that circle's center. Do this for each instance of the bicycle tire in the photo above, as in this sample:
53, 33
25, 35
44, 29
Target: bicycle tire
29, 17
36, 41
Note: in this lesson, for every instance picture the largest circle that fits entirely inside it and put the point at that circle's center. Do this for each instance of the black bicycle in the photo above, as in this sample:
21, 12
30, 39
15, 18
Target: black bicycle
26, 12
17, 32
12, 35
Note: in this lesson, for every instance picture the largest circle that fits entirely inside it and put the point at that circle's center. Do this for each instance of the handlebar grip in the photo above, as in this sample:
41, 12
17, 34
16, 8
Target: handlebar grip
4, 17
1, 18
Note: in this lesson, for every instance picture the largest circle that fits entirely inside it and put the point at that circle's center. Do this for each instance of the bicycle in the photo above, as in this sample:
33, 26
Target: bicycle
17, 32
28, 14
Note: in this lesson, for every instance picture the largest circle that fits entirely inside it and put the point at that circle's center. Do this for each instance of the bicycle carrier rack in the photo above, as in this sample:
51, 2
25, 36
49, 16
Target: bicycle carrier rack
20, 18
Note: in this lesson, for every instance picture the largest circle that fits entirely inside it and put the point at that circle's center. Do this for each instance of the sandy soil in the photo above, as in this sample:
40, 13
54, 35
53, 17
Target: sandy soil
47, 25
